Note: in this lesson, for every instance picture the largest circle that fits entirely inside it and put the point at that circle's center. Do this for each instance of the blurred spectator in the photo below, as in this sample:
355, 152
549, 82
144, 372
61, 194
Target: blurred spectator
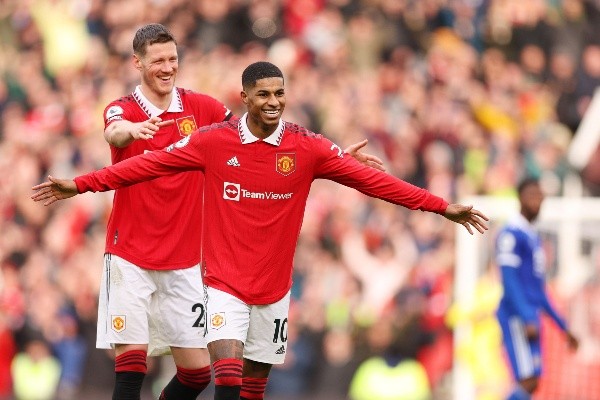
292, 379
8, 346
36, 373
70, 350
338, 363
390, 374
588, 76
379, 378
562, 82
381, 263
63, 32
480, 349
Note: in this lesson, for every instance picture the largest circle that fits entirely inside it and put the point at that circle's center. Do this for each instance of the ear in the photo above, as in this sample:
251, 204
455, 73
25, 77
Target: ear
137, 62
244, 97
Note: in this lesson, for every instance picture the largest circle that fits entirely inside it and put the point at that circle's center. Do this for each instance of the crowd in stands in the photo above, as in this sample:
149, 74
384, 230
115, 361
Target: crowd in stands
462, 97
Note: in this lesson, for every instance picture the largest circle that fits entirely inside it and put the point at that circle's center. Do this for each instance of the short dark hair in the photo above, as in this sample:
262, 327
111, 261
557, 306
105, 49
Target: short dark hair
526, 182
151, 34
259, 70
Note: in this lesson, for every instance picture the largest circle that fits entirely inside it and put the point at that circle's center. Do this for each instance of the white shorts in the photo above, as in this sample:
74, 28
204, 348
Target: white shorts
158, 308
262, 329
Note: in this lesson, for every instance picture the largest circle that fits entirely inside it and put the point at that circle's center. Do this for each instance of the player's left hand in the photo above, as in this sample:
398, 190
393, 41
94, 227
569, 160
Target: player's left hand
363, 158
573, 341
467, 216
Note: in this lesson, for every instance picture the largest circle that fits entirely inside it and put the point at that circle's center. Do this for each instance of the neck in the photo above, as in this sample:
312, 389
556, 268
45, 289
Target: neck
262, 134
529, 217
160, 101
260, 130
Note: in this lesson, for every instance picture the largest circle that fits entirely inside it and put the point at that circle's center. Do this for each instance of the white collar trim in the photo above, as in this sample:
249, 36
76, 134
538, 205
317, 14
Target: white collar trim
247, 137
518, 220
150, 109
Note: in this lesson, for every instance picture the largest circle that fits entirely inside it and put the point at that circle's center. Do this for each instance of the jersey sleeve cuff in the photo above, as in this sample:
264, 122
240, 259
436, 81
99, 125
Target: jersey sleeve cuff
82, 187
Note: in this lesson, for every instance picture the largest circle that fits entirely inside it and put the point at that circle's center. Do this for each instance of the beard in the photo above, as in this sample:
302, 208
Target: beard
158, 86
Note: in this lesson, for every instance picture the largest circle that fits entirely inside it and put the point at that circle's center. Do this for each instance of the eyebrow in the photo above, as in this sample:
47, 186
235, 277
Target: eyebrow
270, 91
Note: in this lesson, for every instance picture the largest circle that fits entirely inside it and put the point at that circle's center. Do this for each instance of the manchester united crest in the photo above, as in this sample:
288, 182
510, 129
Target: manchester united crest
217, 320
285, 163
186, 125
118, 323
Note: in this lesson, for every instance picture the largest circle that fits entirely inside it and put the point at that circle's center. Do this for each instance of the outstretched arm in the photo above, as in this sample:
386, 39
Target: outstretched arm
122, 133
363, 158
467, 216
54, 189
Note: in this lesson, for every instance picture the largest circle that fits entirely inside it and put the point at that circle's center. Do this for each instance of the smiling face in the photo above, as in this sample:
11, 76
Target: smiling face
265, 102
158, 67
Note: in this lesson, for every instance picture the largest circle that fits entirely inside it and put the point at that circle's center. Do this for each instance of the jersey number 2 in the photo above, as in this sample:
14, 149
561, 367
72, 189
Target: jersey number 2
200, 321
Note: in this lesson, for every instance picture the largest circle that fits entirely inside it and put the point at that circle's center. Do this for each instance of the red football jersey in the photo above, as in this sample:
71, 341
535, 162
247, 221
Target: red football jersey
157, 224
255, 195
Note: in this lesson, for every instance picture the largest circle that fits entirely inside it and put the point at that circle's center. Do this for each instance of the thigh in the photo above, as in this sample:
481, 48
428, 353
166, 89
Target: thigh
177, 313
124, 302
188, 358
267, 334
524, 354
124, 348
228, 316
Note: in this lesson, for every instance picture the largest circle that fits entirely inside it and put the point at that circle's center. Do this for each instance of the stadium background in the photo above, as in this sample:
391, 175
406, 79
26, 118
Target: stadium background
462, 97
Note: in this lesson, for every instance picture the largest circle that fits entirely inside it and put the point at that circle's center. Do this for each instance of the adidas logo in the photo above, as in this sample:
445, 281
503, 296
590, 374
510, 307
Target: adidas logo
280, 350
233, 161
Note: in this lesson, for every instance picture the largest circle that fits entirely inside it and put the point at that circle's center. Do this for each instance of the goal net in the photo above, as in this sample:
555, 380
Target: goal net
571, 231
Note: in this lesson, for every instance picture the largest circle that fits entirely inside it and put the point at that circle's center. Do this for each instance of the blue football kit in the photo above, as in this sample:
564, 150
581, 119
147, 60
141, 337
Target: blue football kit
520, 257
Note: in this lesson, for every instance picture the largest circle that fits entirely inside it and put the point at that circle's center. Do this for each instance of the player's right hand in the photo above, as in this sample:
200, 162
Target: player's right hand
147, 129
54, 189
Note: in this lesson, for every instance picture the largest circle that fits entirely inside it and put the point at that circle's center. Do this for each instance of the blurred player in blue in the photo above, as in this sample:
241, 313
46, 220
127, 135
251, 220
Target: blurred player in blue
520, 257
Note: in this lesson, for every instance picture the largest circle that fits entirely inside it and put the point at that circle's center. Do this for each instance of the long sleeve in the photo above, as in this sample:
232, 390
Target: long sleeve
333, 164
185, 155
551, 311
